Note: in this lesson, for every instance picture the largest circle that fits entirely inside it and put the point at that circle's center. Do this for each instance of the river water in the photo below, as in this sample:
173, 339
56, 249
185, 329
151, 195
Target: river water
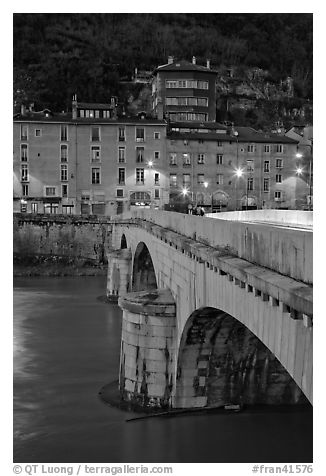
66, 347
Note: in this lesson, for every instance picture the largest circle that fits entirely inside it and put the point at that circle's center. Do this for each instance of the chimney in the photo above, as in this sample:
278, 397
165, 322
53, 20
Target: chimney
159, 111
74, 106
170, 59
208, 64
194, 60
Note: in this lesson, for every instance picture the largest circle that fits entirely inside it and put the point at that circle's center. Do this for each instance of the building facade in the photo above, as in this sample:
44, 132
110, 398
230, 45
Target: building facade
221, 168
88, 162
183, 91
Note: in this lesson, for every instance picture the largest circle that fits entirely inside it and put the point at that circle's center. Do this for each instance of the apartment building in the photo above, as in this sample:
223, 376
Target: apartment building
184, 91
88, 161
223, 168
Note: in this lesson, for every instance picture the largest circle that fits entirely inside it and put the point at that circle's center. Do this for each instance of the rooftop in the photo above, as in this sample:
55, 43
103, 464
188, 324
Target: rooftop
184, 66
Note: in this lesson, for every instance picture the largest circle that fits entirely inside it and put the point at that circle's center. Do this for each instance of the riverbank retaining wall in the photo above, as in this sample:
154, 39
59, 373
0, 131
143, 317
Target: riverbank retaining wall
65, 236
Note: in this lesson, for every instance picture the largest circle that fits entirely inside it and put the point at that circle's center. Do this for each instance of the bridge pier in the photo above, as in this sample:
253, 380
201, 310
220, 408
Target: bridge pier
148, 347
118, 273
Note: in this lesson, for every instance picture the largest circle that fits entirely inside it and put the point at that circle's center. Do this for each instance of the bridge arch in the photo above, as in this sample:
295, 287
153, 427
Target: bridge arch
221, 361
143, 272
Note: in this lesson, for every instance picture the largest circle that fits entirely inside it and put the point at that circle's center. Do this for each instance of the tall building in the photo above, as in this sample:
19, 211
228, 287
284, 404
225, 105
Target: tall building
88, 161
183, 91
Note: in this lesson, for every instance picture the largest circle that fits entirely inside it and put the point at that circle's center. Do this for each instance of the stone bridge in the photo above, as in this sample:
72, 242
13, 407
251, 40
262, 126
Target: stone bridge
216, 309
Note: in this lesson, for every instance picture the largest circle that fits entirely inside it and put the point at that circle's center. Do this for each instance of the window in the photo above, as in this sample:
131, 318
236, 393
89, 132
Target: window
200, 179
277, 195
122, 134
23, 152
156, 154
186, 159
67, 209
64, 133
279, 163
95, 153
219, 159
81, 113
50, 208
140, 176
96, 175
120, 192
23, 132
24, 173
267, 148
173, 180
34, 207
219, 143
250, 165
140, 151
266, 165
173, 158
279, 148
140, 134
251, 148
64, 190
219, 179
278, 178
122, 155
186, 180
122, 176
266, 184
64, 153
97, 113
38, 132
25, 189
201, 158
156, 178
157, 135
250, 183
156, 193
95, 137
50, 191
63, 173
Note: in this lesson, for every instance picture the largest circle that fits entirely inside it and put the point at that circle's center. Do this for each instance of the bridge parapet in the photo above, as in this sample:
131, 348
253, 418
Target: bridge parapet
286, 250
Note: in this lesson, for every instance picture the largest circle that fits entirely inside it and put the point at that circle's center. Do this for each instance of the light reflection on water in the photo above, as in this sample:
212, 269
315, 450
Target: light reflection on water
66, 347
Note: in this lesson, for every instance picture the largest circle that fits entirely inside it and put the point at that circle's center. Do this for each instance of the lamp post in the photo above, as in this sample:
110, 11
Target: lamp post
239, 174
299, 171
211, 196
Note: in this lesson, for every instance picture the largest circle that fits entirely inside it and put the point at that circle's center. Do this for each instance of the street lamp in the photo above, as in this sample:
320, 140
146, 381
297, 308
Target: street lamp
299, 171
239, 173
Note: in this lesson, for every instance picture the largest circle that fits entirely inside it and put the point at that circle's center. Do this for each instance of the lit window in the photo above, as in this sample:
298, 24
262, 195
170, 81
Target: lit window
34, 207
186, 181
173, 180
250, 165
23, 132
186, 159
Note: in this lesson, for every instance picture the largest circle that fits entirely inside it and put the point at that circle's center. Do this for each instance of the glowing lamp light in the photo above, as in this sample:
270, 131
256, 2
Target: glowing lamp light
150, 163
238, 172
184, 192
205, 184
298, 155
299, 170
